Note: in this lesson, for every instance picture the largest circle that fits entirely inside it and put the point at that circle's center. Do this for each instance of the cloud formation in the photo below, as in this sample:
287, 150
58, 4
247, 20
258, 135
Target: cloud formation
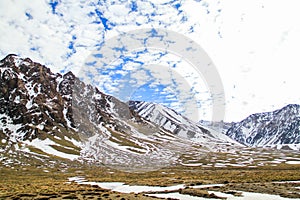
253, 44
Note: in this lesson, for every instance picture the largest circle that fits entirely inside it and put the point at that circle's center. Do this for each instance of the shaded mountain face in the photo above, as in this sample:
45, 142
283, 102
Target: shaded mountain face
49, 114
268, 129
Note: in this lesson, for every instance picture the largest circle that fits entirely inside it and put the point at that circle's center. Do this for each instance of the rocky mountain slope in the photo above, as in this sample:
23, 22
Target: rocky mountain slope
280, 127
34, 103
177, 124
46, 114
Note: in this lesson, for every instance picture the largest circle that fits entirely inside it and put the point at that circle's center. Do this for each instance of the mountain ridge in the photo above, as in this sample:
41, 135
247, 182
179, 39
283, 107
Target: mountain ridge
63, 98
278, 127
58, 115
174, 122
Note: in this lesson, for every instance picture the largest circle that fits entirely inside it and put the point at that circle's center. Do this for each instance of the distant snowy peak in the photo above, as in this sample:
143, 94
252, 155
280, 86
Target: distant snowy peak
165, 117
177, 124
270, 128
155, 112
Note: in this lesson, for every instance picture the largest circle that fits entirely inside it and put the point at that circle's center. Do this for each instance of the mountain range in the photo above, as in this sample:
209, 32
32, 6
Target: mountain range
46, 114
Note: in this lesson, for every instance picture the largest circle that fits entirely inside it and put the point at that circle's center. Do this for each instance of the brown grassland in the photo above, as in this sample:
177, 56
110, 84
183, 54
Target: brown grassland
41, 182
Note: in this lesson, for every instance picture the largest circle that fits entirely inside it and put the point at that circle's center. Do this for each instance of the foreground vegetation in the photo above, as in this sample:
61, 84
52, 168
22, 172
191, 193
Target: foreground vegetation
42, 182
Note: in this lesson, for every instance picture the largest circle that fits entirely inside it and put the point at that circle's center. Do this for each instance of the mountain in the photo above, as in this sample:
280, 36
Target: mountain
277, 128
47, 115
33, 101
170, 120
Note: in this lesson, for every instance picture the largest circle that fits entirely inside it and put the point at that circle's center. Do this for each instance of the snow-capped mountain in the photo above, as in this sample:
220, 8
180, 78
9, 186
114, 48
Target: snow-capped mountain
48, 114
268, 129
177, 124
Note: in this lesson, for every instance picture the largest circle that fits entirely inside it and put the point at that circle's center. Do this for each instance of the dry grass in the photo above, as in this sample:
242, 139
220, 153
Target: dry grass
32, 183
34, 180
121, 139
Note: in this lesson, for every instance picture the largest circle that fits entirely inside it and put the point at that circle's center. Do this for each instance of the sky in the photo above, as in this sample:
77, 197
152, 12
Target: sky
239, 55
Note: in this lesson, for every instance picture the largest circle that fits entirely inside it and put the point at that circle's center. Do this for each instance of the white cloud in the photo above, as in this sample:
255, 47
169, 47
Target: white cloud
253, 44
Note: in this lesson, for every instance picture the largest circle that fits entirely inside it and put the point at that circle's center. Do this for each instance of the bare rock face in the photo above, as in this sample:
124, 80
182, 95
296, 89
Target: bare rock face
39, 101
29, 97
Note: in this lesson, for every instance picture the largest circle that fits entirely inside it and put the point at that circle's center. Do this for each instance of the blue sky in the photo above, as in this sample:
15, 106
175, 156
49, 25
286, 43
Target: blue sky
253, 44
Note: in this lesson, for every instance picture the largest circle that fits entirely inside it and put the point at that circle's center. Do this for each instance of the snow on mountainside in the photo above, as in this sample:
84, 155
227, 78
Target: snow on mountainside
46, 114
174, 122
34, 105
48, 118
277, 128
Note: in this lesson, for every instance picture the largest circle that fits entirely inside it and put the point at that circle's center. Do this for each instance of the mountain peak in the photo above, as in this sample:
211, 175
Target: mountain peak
291, 107
281, 126
69, 75
9, 57
16, 60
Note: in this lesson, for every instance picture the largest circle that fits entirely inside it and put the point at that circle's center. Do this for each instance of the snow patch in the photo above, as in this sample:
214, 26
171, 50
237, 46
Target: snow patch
44, 145
11, 129
65, 111
75, 142
293, 162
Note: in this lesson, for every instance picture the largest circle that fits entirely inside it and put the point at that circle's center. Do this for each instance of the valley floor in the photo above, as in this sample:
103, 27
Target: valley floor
41, 182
